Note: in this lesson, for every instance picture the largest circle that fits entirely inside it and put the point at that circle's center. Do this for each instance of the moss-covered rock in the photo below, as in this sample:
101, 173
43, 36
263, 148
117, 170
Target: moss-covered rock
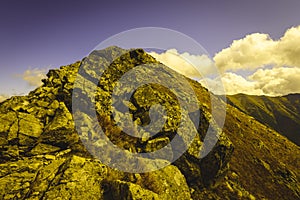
43, 157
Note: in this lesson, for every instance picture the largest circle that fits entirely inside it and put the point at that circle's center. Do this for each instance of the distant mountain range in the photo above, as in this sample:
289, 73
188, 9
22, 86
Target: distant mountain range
280, 113
43, 157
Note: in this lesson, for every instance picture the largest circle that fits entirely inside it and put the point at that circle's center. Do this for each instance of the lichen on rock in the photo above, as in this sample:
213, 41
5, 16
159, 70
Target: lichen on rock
43, 155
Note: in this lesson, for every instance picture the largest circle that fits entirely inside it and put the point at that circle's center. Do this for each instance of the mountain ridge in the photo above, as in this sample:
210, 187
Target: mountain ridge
280, 113
43, 157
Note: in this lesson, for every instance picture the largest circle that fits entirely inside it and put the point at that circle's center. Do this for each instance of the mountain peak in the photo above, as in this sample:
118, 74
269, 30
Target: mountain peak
44, 153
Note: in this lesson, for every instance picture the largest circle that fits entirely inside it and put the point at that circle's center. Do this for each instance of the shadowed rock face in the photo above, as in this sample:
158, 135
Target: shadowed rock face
43, 157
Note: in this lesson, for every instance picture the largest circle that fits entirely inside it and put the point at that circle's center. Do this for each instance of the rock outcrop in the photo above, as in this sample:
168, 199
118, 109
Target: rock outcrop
43, 155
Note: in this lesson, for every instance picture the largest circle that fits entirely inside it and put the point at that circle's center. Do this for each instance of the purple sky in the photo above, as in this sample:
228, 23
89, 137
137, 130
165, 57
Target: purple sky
53, 33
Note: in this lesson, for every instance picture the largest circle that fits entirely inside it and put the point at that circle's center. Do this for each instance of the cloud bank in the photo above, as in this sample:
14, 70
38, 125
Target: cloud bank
3, 97
259, 50
273, 65
233, 84
270, 82
34, 76
185, 63
277, 81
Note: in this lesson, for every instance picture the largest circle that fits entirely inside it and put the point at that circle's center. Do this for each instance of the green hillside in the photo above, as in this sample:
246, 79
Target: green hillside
280, 113
43, 157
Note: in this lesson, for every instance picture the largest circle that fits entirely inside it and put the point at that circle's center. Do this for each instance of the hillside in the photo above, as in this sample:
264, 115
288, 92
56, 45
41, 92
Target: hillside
280, 113
44, 154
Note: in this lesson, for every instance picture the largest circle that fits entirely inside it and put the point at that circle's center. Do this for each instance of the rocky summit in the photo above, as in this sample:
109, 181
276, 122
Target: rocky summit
44, 151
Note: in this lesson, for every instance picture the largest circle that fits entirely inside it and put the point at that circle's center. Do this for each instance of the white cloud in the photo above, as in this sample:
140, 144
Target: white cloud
258, 50
3, 97
34, 76
232, 84
277, 81
186, 63
289, 48
253, 52
270, 82
275, 65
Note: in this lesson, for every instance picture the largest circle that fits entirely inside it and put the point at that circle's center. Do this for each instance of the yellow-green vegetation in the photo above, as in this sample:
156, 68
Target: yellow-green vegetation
43, 157
280, 113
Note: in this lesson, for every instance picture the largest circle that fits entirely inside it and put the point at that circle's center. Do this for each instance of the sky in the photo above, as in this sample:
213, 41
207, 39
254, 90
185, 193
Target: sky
255, 65
38, 35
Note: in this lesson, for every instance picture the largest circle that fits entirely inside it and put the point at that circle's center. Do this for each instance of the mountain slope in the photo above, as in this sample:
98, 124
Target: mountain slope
42, 156
280, 113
